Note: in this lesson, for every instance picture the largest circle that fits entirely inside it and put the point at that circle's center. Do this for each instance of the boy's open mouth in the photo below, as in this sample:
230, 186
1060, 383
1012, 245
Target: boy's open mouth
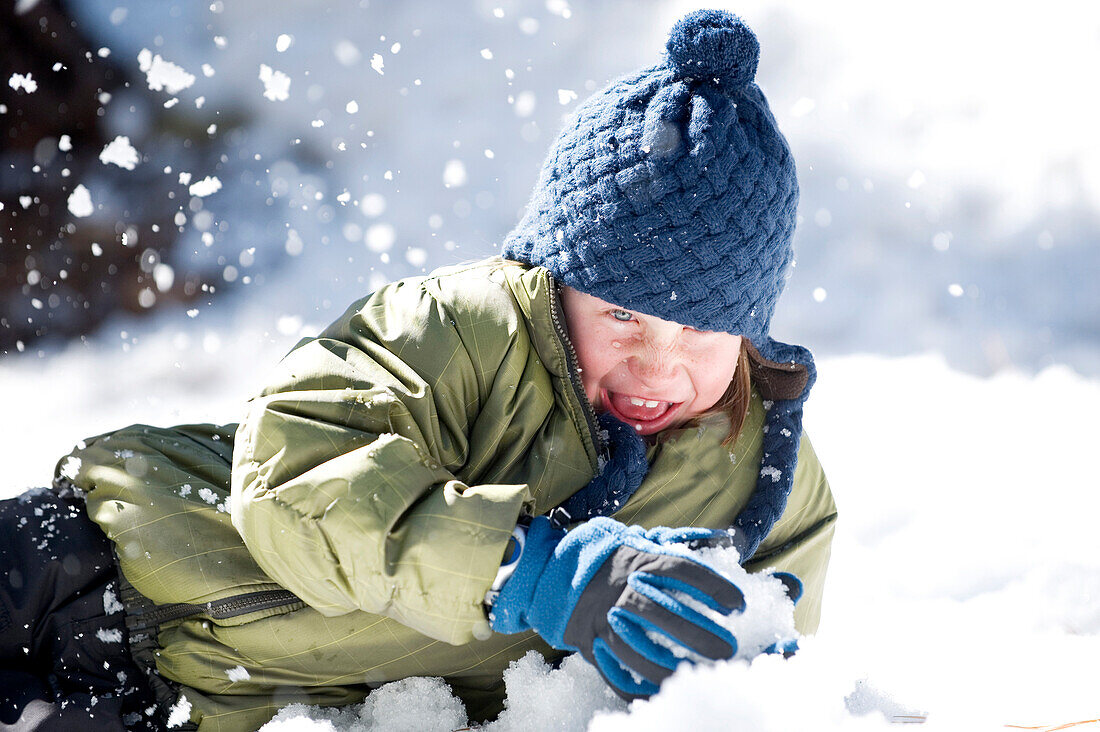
644, 415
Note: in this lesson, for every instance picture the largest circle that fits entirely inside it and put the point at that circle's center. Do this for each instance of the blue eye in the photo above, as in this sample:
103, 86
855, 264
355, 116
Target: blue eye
622, 315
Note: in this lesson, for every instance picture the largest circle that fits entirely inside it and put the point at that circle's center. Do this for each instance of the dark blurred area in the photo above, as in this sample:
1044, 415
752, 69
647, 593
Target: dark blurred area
61, 275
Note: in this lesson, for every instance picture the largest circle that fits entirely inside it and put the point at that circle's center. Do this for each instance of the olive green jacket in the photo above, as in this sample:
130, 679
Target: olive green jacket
346, 532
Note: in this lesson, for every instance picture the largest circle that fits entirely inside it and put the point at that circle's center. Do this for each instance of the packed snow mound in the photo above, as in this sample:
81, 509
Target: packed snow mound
540, 696
409, 705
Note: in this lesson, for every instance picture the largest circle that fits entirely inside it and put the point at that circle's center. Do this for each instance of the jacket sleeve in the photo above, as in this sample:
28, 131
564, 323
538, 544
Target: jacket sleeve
343, 484
801, 541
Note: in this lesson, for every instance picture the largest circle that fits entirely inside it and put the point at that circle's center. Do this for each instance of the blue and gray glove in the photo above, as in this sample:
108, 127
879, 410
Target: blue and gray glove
601, 588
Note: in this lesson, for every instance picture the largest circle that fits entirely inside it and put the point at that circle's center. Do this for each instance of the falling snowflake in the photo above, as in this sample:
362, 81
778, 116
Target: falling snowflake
80, 202
24, 82
120, 152
206, 186
276, 84
163, 75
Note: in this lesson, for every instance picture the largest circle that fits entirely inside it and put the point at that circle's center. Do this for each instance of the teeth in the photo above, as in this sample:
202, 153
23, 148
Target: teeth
644, 402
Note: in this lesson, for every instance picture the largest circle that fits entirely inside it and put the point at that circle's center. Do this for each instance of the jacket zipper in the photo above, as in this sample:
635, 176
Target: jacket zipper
574, 375
229, 607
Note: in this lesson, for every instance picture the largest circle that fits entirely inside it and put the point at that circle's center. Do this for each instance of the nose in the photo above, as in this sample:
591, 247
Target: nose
657, 358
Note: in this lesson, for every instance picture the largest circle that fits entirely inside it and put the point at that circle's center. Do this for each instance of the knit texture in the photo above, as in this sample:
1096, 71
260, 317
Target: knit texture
672, 191
782, 438
621, 474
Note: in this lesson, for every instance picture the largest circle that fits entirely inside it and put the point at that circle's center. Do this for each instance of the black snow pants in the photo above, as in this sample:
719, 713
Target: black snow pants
64, 651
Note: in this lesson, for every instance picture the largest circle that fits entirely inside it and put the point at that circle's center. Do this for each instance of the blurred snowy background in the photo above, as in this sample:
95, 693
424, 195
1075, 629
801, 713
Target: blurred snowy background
295, 154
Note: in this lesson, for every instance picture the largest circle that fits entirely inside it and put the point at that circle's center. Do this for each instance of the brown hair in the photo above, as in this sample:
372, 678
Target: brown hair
735, 402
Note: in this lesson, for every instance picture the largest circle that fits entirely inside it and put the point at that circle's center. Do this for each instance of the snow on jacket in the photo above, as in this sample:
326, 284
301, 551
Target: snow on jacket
345, 533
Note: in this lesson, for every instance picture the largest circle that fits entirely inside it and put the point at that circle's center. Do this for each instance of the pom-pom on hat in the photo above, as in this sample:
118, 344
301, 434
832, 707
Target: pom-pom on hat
714, 45
672, 191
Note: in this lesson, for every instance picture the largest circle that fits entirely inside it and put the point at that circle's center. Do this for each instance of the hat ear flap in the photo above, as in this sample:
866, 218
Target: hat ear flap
781, 370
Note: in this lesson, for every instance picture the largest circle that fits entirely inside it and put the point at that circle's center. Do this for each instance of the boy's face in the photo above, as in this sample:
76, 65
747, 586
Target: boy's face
649, 373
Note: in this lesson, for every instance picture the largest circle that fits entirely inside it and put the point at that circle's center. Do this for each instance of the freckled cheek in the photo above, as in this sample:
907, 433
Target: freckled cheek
711, 381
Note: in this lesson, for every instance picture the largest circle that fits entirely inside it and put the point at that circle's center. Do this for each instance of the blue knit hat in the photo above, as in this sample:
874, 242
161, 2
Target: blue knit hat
672, 192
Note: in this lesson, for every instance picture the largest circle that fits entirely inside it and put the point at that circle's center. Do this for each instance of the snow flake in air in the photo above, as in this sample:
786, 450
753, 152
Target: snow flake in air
376, 63
80, 202
283, 42
372, 205
65, 144
380, 237
560, 7
163, 75
120, 152
346, 53
454, 174
524, 104
565, 96
24, 82
276, 84
416, 256
206, 186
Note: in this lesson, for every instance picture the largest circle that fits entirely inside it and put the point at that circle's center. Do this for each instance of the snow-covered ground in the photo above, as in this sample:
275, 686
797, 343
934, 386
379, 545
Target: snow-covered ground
964, 585
948, 258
